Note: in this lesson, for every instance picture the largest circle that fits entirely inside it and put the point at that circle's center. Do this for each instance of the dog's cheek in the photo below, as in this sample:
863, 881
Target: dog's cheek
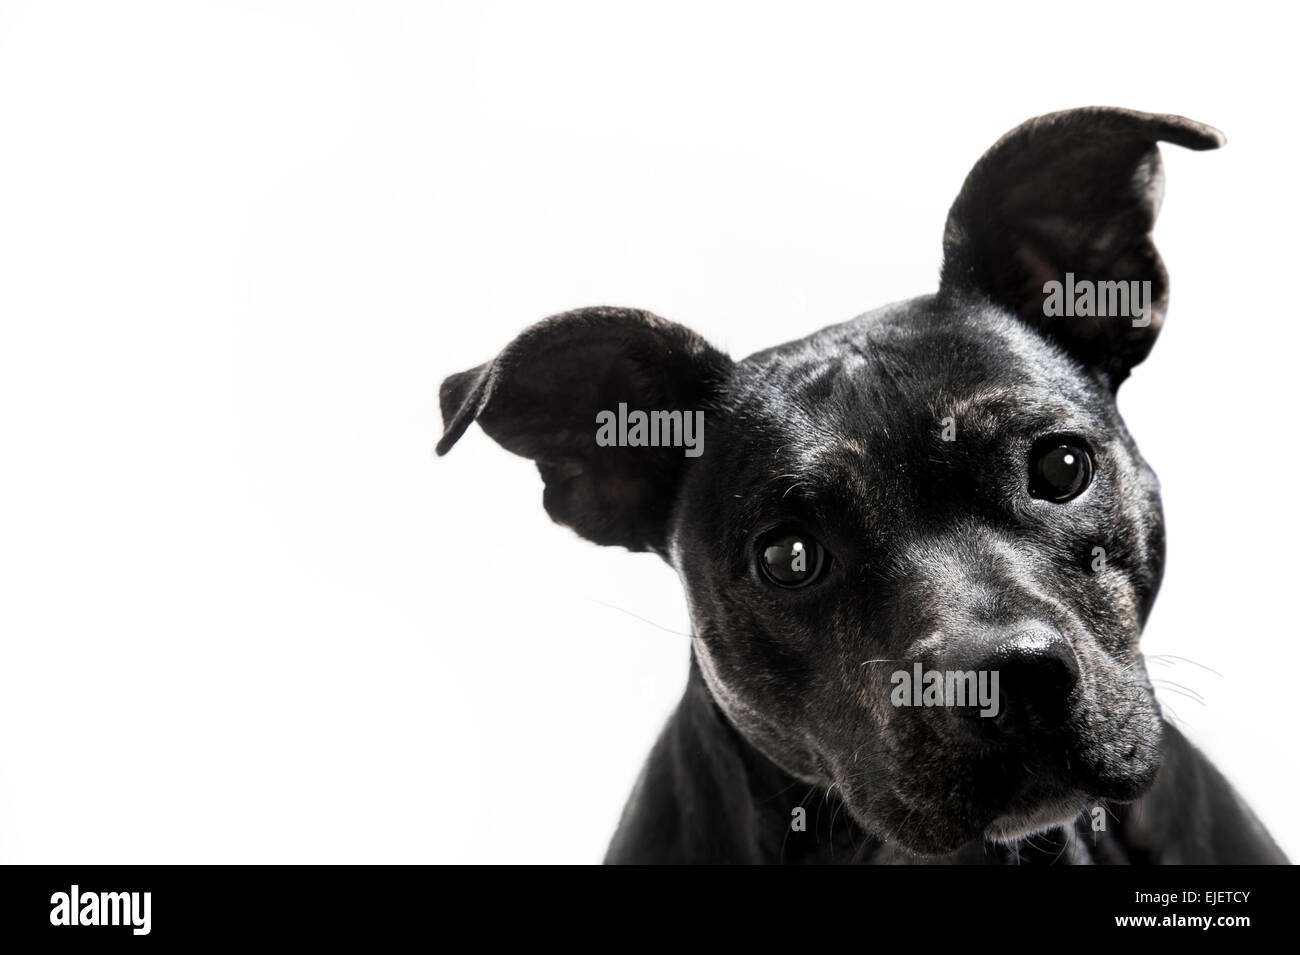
1106, 566
762, 685
1128, 551
1107, 602
1118, 731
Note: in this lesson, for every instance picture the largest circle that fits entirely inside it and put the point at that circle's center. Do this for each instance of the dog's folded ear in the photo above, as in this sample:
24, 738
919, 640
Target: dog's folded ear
1071, 198
541, 398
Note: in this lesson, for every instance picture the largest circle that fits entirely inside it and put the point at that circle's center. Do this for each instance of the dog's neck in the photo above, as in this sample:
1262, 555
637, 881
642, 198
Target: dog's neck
707, 795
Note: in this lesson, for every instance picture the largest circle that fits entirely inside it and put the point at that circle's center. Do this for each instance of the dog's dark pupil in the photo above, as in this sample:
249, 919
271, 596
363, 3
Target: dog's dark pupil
1063, 472
790, 560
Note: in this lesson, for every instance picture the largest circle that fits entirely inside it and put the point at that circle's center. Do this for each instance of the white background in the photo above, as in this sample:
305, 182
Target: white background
245, 615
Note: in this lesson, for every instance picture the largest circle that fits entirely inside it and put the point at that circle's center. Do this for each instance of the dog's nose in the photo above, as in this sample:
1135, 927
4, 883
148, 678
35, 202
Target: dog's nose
1035, 669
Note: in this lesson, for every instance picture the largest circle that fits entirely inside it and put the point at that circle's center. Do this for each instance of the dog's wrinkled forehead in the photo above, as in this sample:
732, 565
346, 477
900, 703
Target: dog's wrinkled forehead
884, 397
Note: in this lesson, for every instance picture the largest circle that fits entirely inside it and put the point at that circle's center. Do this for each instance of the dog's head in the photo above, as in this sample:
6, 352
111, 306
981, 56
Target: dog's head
943, 486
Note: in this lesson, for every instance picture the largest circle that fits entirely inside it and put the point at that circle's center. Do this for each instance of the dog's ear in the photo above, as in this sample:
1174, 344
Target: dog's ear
541, 396
1071, 192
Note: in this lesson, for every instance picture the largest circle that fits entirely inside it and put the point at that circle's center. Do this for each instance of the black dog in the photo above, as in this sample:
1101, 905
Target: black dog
944, 485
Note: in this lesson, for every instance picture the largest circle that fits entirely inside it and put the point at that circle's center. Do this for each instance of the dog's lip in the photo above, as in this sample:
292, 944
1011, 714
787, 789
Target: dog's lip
994, 791
1040, 805
1040, 790
1037, 816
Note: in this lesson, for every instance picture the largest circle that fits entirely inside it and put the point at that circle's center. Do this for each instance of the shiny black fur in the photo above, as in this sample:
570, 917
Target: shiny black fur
937, 551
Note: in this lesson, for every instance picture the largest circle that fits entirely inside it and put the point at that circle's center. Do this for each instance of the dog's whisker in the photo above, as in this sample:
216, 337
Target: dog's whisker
642, 619
779, 793
789, 489
1173, 656
1180, 686
1194, 699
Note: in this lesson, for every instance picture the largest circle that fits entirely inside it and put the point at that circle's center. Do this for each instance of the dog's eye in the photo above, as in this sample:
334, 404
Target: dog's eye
790, 559
1059, 471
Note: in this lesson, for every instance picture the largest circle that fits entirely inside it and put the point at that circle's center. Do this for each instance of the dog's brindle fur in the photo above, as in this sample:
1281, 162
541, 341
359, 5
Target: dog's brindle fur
938, 551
